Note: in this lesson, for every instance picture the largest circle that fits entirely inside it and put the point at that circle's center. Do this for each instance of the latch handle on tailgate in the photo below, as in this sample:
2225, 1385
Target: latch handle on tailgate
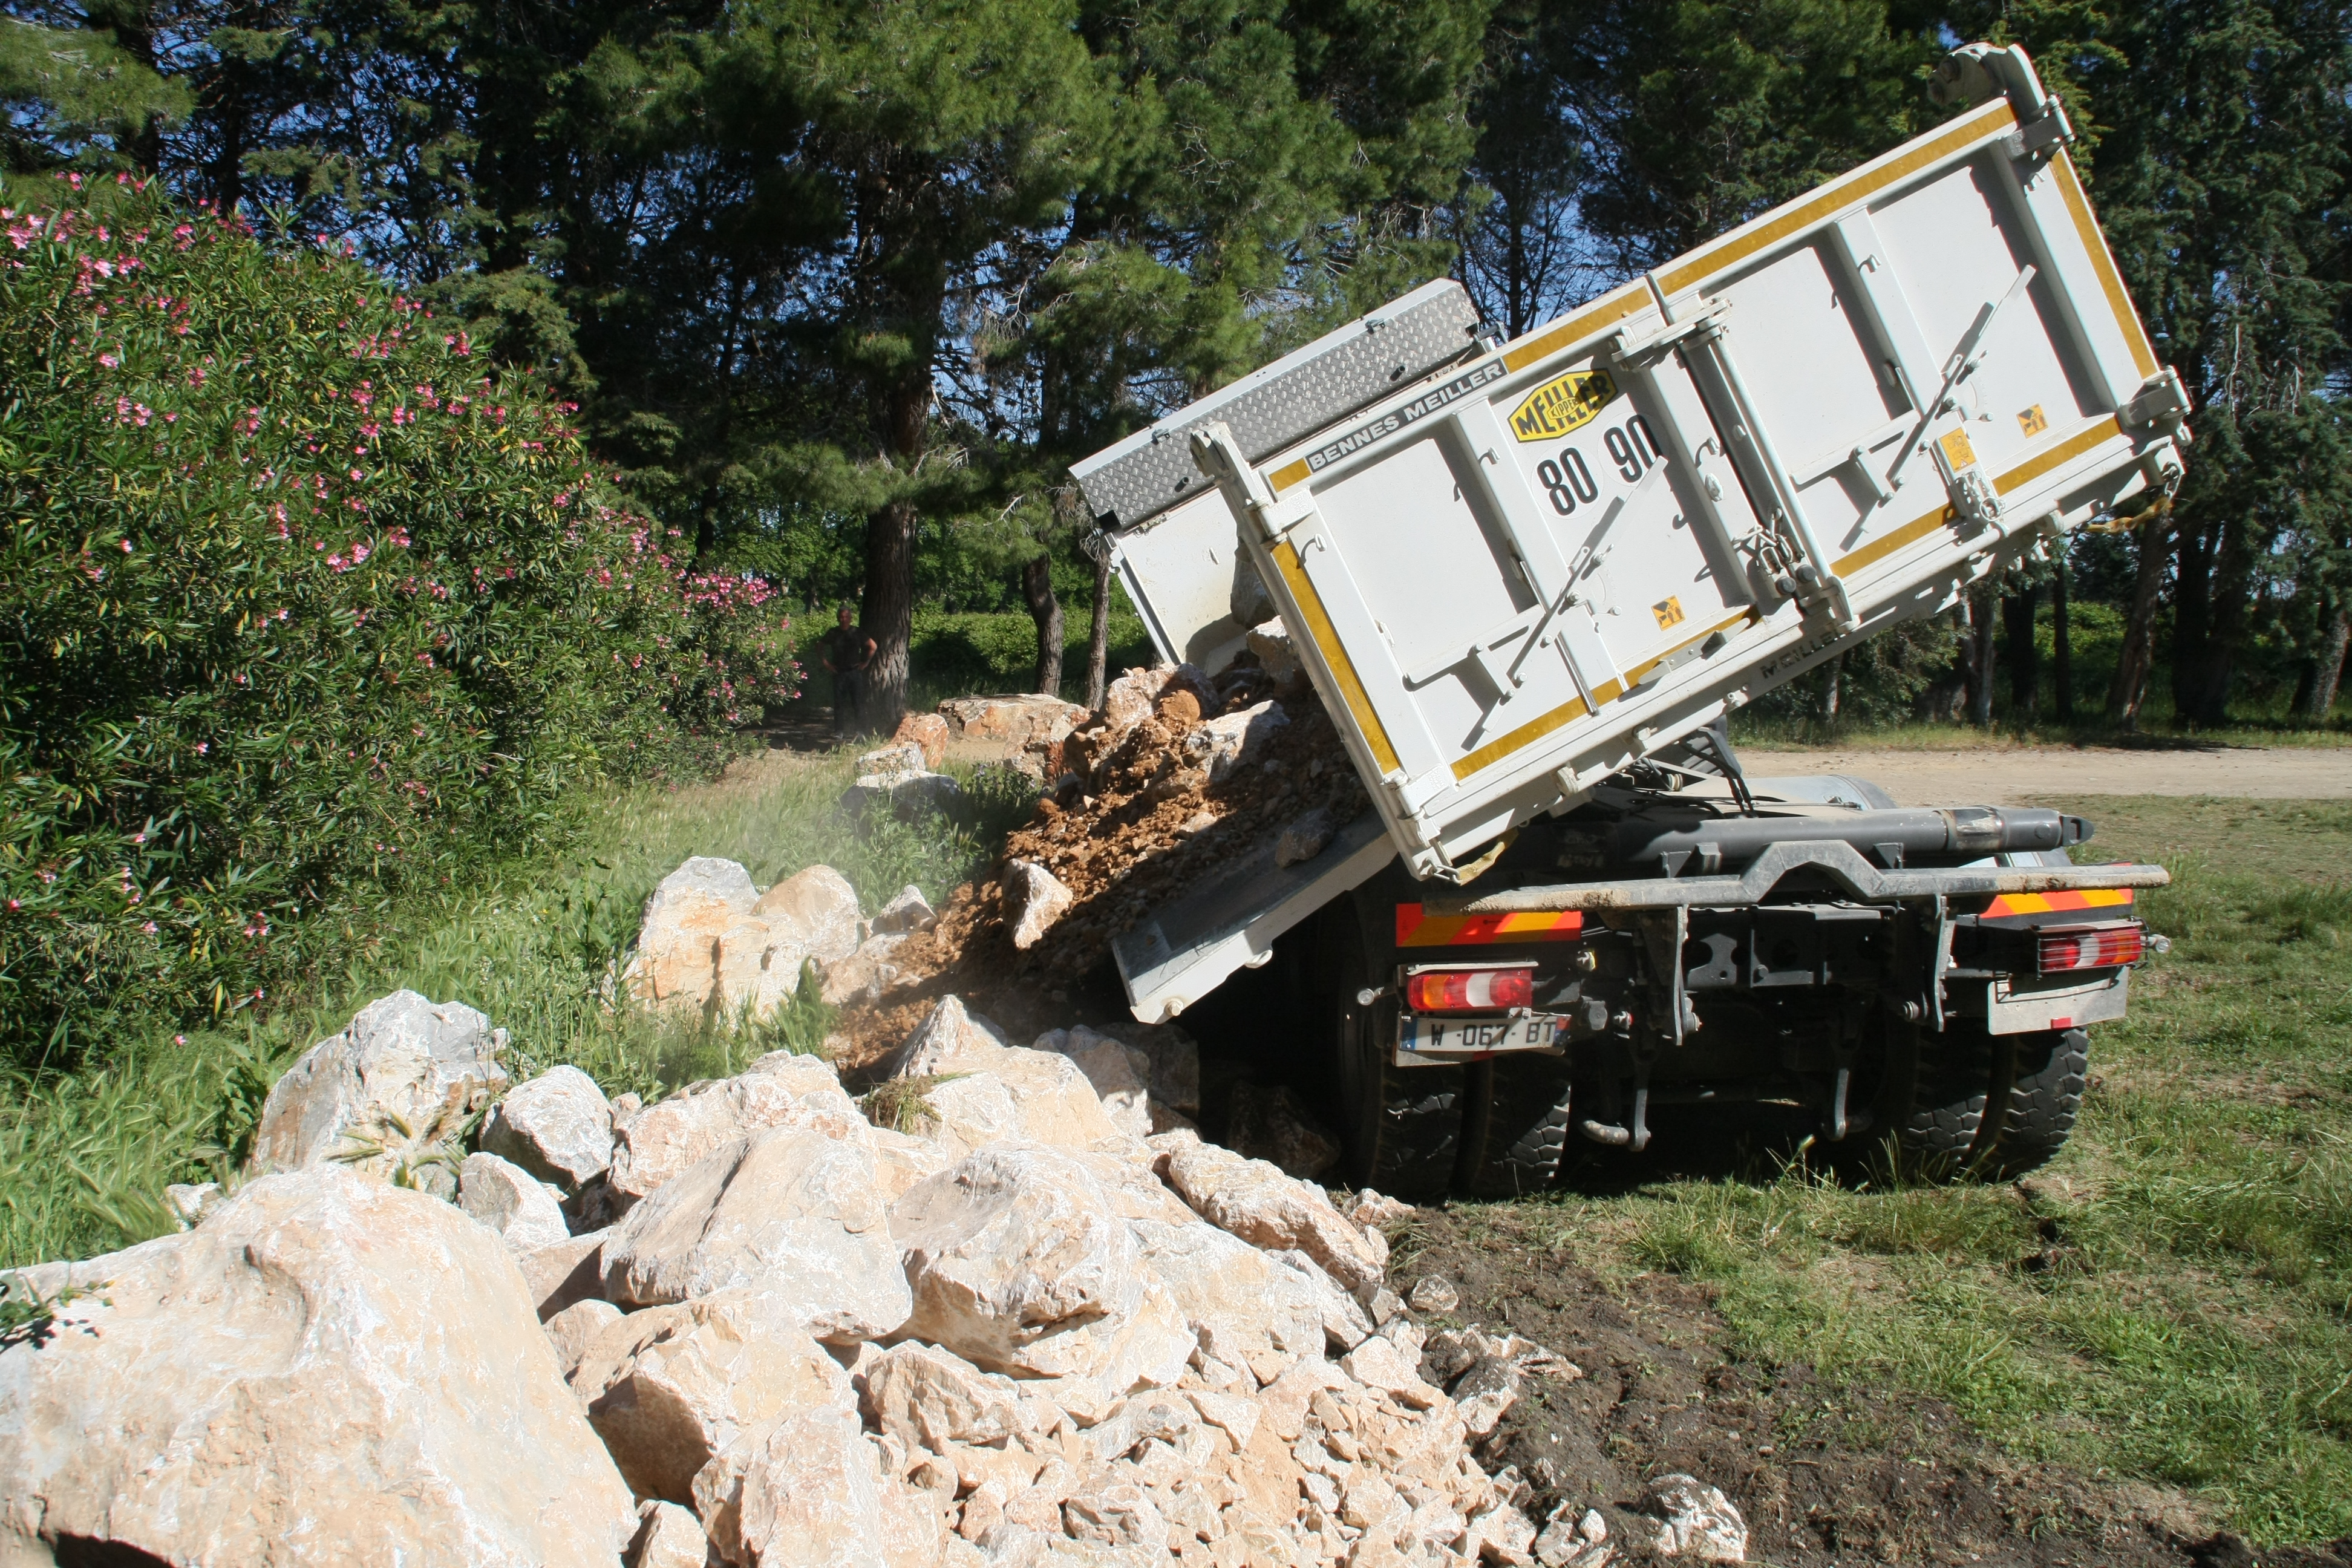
1821, 585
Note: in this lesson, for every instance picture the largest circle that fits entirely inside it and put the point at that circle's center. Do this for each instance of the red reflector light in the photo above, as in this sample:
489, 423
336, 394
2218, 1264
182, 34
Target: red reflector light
1470, 990
2088, 947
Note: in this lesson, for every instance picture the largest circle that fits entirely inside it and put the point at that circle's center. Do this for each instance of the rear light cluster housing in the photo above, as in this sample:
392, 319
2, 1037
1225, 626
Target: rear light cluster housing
1470, 990
2061, 950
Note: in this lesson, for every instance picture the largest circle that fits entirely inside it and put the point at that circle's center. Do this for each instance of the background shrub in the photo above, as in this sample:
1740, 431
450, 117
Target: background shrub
298, 606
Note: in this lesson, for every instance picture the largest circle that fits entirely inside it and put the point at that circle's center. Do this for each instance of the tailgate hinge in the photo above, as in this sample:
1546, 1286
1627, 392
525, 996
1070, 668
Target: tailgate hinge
1250, 498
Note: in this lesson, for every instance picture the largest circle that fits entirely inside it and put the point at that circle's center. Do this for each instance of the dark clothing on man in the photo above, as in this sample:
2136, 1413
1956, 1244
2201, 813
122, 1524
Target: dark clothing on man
846, 648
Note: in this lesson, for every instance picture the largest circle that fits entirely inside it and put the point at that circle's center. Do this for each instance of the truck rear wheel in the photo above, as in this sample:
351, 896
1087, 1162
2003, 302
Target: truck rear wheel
1935, 1092
1966, 1102
2039, 1093
1400, 1128
1514, 1125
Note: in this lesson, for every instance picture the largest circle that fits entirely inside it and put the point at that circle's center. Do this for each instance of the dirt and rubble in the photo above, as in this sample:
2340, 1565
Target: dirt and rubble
1824, 1474
1178, 774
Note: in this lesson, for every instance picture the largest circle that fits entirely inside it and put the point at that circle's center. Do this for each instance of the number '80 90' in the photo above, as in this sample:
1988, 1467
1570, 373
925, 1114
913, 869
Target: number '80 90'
1568, 480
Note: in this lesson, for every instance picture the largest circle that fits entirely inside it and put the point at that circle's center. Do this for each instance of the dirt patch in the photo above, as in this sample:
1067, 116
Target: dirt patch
1823, 1475
2020, 776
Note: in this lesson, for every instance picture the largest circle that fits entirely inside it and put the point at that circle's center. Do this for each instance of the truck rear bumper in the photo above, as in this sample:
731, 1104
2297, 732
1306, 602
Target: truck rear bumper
1837, 862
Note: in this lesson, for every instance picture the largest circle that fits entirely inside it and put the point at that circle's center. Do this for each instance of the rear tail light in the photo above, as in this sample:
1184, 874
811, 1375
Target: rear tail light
1470, 990
2089, 947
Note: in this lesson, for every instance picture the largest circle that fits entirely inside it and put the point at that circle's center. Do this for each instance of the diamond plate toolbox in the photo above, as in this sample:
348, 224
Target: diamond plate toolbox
1269, 409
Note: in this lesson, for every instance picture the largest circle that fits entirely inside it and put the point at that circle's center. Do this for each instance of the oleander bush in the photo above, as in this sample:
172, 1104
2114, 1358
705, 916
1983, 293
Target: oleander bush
301, 604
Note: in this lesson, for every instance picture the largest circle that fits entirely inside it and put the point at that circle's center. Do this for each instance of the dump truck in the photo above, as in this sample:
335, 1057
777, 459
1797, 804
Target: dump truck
1530, 581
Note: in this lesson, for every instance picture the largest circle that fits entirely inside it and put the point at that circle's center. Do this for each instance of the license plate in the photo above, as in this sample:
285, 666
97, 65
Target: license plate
1439, 1042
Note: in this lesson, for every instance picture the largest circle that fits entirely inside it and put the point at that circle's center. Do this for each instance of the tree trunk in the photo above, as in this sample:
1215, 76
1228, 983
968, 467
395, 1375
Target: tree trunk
2061, 645
905, 407
2209, 607
1830, 691
2137, 658
2024, 657
2329, 675
889, 613
1098, 632
1977, 649
1037, 591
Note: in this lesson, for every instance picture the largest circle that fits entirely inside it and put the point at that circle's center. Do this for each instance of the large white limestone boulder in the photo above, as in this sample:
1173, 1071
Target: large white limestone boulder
929, 1398
713, 943
1035, 900
1013, 721
676, 961
504, 1197
1120, 1075
780, 1089
1245, 1308
387, 1095
811, 1494
671, 1389
814, 912
790, 1213
1022, 1094
986, 1091
331, 1370
950, 1038
1020, 1262
1254, 1200
1234, 740
558, 1126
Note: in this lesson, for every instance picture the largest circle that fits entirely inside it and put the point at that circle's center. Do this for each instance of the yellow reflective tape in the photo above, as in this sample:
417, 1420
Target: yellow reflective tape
2066, 452
1574, 707
2103, 262
2058, 902
2017, 478
1743, 243
1534, 730
1612, 308
1879, 548
1335, 657
1289, 474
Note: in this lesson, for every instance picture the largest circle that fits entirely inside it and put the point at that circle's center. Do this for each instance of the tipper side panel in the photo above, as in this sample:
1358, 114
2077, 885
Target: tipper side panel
1521, 574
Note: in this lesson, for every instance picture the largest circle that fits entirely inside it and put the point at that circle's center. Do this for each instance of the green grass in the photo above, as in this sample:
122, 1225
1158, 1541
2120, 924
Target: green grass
955, 653
2172, 1297
84, 1157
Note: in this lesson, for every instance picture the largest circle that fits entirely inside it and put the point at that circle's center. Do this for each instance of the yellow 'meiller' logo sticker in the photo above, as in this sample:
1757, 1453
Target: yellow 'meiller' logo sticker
1562, 404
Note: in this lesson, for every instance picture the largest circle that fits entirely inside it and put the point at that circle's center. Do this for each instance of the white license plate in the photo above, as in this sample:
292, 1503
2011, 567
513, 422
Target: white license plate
1438, 1041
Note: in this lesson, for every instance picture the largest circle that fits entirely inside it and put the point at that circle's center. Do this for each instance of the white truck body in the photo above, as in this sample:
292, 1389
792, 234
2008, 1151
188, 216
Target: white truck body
1513, 569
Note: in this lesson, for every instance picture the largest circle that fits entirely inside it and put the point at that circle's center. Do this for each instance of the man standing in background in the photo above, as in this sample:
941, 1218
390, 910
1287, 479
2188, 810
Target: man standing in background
847, 651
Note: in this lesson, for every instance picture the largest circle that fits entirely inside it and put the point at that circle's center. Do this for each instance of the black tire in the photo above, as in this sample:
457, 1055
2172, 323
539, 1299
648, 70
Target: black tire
1969, 1103
1514, 1126
1399, 1128
2039, 1077
1934, 1095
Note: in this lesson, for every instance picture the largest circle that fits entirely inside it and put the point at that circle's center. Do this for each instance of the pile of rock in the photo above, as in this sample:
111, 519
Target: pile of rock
1035, 1319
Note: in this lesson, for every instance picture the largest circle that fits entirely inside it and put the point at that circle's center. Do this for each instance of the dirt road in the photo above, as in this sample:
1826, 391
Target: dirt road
2013, 776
